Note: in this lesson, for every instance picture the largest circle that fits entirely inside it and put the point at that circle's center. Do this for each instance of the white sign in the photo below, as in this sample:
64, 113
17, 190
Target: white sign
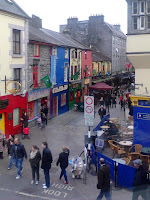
89, 110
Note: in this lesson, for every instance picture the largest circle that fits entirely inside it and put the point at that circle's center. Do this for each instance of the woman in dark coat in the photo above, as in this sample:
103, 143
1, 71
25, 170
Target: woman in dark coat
63, 161
35, 158
25, 120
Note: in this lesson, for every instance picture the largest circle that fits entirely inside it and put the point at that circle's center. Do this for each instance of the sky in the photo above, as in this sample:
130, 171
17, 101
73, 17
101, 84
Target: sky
56, 12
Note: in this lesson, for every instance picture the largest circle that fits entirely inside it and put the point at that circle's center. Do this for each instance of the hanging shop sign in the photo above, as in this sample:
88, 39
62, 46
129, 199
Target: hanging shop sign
86, 81
13, 90
60, 89
4, 104
38, 94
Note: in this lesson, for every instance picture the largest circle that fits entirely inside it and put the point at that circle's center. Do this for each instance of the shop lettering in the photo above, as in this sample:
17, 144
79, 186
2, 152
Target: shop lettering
61, 186
55, 193
3, 104
143, 116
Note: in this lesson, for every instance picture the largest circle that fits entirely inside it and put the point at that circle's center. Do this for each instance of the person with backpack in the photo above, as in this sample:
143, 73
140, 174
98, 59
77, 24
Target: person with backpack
63, 161
140, 181
102, 112
35, 158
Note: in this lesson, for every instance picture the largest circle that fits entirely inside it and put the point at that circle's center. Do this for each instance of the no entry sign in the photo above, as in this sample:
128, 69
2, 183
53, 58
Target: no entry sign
89, 110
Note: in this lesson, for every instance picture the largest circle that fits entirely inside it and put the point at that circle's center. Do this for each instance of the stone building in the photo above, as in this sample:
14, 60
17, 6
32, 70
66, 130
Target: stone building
106, 38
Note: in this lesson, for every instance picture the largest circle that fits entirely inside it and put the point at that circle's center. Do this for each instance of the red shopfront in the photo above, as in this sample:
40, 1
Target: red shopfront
11, 108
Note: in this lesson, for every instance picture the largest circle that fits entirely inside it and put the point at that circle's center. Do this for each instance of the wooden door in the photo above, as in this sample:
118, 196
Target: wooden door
2, 122
55, 106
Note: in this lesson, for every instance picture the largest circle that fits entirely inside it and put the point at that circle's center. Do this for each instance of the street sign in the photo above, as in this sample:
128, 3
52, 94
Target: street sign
89, 110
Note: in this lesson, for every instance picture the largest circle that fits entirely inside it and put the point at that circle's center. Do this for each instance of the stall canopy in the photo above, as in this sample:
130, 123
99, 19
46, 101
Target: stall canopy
101, 86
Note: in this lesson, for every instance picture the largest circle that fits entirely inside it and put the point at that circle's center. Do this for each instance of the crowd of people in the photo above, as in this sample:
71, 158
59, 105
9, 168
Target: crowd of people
17, 153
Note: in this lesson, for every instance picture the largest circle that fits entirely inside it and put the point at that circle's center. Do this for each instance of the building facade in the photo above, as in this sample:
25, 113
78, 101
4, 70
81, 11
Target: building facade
106, 38
13, 66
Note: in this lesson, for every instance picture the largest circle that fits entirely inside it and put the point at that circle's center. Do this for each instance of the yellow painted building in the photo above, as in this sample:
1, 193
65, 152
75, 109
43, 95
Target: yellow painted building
13, 45
101, 67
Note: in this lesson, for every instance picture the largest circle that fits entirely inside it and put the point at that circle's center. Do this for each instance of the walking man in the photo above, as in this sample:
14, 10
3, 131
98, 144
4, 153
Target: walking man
140, 181
102, 112
104, 180
10, 144
63, 161
46, 164
18, 153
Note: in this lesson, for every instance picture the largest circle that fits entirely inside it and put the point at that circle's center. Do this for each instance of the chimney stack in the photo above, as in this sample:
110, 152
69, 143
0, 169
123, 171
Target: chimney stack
36, 21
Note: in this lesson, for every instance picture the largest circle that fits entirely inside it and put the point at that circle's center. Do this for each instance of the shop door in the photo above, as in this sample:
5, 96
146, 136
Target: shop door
55, 106
2, 122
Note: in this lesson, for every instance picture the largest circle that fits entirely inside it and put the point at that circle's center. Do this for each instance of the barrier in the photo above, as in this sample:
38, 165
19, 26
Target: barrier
109, 162
101, 122
93, 156
125, 176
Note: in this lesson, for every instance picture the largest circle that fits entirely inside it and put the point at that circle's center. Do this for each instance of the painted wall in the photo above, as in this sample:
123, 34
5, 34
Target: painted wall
86, 62
7, 61
107, 67
14, 102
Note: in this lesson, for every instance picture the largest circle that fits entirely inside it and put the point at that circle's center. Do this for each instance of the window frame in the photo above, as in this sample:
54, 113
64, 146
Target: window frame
142, 28
17, 79
66, 52
134, 23
66, 66
31, 105
15, 31
134, 8
148, 22
141, 7
14, 125
36, 49
85, 54
148, 7
63, 99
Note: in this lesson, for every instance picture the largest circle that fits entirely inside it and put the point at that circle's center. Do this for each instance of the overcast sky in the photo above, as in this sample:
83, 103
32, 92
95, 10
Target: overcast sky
55, 12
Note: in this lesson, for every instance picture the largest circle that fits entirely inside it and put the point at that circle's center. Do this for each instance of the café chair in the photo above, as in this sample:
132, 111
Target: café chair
144, 158
127, 160
119, 151
138, 148
133, 156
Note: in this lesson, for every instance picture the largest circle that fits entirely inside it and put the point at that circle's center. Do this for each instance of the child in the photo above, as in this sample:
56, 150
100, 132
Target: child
39, 121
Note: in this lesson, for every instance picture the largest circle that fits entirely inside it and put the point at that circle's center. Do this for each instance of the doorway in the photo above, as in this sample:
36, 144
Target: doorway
55, 106
2, 122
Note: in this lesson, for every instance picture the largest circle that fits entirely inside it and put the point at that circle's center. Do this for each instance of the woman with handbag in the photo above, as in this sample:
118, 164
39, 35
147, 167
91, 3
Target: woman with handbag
35, 158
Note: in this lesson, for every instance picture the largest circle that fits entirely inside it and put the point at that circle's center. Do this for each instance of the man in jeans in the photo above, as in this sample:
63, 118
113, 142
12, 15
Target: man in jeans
104, 180
46, 164
18, 153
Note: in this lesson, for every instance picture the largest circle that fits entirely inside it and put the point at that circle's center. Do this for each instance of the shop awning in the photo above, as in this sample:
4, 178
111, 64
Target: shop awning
101, 86
102, 80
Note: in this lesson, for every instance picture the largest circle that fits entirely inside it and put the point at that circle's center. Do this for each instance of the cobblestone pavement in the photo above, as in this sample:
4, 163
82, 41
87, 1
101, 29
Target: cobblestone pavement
68, 129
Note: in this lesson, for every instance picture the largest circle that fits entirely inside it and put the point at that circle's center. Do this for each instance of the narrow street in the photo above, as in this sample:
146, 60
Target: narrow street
68, 129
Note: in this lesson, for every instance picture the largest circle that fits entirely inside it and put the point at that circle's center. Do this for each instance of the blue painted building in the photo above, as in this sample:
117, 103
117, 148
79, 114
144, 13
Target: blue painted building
60, 79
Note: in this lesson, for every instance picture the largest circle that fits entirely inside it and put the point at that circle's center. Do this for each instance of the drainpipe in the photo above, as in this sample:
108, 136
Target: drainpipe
26, 54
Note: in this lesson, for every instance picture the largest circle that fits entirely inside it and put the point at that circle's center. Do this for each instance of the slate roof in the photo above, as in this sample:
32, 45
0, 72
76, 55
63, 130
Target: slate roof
115, 30
65, 40
97, 56
12, 7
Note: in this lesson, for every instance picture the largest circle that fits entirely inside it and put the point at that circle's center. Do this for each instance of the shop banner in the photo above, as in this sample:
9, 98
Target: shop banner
38, 94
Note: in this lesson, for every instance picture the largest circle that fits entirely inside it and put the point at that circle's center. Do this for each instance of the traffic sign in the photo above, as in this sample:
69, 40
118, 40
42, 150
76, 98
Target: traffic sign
89, 110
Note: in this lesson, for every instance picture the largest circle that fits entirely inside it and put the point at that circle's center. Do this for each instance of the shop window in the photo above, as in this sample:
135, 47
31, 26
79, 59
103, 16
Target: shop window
16, 42
71, 96
16, 117
85, 54
17, 77
63, 99
31, 110
36, 50
66, 52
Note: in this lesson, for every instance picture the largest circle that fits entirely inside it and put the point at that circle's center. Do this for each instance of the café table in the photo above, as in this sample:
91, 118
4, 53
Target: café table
105, 127
120, 161
125, 143
131, 127
145, 151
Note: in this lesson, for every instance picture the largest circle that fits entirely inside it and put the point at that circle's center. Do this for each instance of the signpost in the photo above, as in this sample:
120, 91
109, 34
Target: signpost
89, 114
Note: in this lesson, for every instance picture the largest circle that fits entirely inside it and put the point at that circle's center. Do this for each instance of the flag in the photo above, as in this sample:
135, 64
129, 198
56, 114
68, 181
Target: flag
76, 75
86, 69
47, 82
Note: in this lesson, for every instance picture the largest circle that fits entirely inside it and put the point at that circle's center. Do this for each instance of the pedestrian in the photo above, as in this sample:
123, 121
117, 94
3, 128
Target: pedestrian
35, 158
2, 144
18, 152
140, 181
114, 101
25, 120
45, 112
39, 121
104, 180
46, 164
107, 104
10, 144
101, 101
63, 161
43, 117
102, 112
